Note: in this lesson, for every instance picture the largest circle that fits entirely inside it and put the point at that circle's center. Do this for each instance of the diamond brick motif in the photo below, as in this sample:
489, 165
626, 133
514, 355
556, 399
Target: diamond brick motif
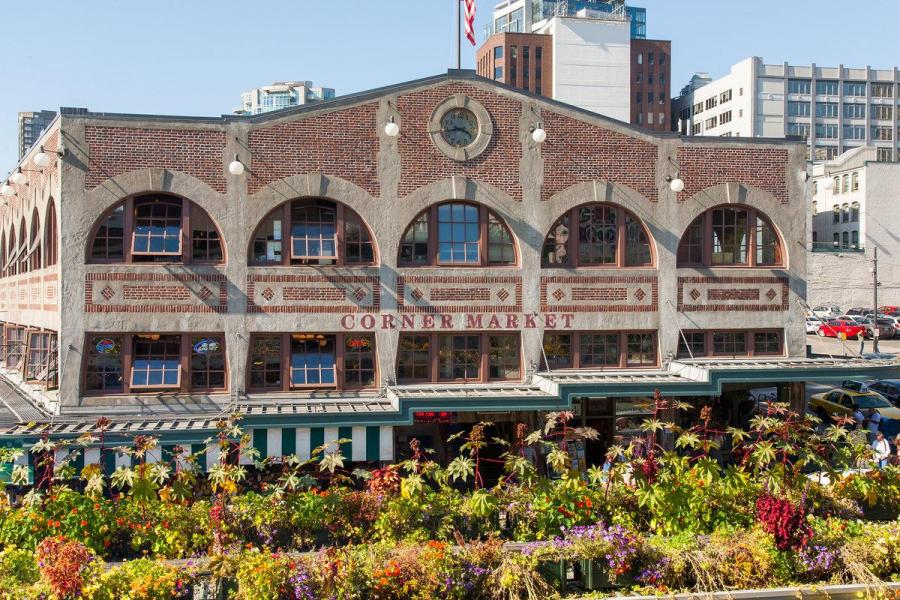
503, 294
107, 293
268, 294
416, 294
695, 294
640, 294
559, 294
359, 294
205, 293
771, 294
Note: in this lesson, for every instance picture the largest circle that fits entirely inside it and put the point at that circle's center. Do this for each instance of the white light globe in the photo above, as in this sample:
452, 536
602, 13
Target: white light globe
19, 178
676, 185
236, 167
828, 184
391, 129
7, 190
539, 135
42, 159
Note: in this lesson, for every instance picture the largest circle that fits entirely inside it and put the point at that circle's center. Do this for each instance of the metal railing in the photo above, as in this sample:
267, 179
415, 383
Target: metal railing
837, 247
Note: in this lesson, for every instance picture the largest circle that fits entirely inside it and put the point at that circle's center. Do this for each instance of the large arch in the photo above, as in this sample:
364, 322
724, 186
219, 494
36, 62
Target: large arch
155, 227
312, 231
732, 235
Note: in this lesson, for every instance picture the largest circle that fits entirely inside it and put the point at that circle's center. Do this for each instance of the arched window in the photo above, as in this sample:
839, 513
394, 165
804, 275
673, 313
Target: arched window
50, 253
854, 212
837, 239
845, 239
845, 213
34, 243
845, 184
22, 254
854, 239
156, 228
457, 233
836, 210
730, 236
317, 232
837, 185
11, 264
854, 182
605, 236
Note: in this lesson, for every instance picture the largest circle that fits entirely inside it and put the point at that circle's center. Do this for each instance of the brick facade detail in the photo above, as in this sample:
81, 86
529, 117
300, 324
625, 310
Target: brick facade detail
599, 293
732, 294
705, 166
486, 294
118, 150
313, 293
576, 151
343, 143
422, 163
155, 293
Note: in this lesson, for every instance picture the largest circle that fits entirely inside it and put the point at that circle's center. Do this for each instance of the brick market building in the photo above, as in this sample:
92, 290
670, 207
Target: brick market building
329, 280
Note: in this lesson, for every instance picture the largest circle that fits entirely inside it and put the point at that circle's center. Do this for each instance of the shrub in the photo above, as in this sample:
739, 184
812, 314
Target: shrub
64, 565
141, 579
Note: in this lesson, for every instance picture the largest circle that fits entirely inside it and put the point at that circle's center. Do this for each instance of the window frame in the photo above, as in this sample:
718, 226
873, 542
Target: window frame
434, 349
340, 379
47, 353
51, 249
575, 346
129, 256
21, 336
433, 240
749, 342
752, 224
572, 244
343, 216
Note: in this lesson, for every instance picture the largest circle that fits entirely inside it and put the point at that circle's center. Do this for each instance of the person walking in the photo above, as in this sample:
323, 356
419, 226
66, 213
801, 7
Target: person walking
862, 342
859, 418
882, 450
873, 423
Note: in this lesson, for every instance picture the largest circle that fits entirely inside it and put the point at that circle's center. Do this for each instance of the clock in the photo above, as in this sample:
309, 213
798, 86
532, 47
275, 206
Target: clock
459, 127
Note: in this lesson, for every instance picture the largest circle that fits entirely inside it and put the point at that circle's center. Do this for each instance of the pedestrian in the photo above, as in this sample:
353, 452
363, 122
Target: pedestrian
873, 423
859, 418
862, 342
882, 450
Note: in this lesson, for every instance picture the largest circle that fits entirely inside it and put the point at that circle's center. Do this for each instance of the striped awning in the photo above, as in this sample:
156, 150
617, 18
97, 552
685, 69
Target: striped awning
362, 444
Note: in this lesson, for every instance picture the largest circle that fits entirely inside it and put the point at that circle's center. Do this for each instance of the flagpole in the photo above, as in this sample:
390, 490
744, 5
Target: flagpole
458, 34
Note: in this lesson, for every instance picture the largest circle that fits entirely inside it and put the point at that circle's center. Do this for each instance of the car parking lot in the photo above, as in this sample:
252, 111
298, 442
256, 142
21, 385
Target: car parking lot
836, 347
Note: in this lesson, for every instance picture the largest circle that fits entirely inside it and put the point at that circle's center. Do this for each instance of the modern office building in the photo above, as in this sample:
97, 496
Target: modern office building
400, 262
31, 125
591, 54
835, 109
279, 95
854, 210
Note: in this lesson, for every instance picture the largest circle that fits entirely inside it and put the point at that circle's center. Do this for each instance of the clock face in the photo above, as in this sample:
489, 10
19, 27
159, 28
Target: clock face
459, 126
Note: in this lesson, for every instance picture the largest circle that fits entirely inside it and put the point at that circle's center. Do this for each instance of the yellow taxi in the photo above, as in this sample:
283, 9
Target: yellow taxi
843, 402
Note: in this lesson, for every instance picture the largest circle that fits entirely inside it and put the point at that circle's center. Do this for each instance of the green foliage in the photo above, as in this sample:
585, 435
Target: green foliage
141, 579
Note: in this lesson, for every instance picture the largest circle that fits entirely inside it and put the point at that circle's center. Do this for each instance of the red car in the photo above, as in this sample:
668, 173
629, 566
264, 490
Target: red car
834, 328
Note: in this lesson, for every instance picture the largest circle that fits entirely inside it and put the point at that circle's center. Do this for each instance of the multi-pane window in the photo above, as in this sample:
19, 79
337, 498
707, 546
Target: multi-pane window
854, 239
151, 228
854, 88
103, 364
885, 154
854, 182
798, 86
732, 343
845, 183
882, 111
691, 344
882, 90
827, 87
882, 134
800, 130
766, 342
156, 361
457, 233
312, 361
854, 132
50, 243
729, 235
725, 117
725, 96
836, 214
40, 362
599, 349
798, 109
207, 363
711, 102
828, 132
414, 358
359, 360
711, 122
504, 361
606, 236
314, 232
845, 213
854, 111
826, 109
15, 346
265, 362
459, 357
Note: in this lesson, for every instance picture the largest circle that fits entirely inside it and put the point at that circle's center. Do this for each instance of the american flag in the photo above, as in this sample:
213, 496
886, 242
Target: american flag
470, 20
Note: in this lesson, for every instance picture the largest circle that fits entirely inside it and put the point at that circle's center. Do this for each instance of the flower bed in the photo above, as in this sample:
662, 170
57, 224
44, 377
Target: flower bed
656, 520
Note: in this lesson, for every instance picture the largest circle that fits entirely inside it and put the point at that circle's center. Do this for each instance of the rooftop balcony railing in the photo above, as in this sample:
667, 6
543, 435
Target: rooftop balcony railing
836, 247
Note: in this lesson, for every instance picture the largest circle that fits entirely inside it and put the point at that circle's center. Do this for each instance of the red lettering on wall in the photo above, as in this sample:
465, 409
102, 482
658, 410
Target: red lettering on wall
409, 321
473, 322
512, 321
387, 322
550, 321
367, 322
529, 322
494, 323
427, 321
446, 321
348, 321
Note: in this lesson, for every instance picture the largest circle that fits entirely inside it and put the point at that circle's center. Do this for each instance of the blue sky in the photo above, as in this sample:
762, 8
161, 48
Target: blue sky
196, 56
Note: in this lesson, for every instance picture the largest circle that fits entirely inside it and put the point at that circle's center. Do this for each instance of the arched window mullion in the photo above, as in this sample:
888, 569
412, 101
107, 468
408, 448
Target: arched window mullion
483, 240
340, 235
128, 230
287, 228
621, 236
187, 246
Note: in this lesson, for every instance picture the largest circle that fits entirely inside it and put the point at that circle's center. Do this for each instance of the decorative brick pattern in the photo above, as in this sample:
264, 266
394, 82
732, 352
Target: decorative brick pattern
475, 294
640, 294
117, 150
599, 293
503, 294
705, 166
155, 292
733, 294
313, 293
422, 163
577, 151
342, 143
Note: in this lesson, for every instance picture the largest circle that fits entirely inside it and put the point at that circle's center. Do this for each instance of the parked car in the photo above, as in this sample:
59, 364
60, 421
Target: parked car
842, 402
889, 388
858, 319
835, 327
894, 321
826, 310
859, 311
812, 325
888, 309
856, 385
887, 328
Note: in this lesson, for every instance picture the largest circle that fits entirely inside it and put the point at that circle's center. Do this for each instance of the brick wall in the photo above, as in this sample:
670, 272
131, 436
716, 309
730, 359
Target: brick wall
342, 143
705, 166
117, 150
576, 151
422, 163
